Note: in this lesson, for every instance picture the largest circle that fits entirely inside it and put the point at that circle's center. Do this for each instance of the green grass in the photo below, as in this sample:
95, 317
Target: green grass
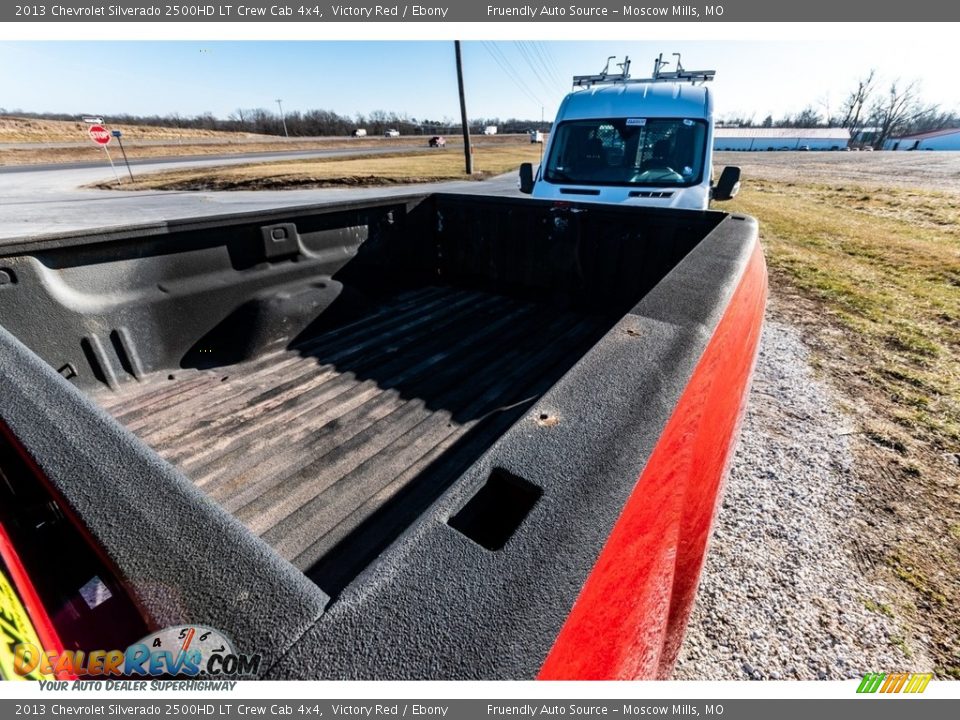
884, 264
901, 642
909, 572
876, 607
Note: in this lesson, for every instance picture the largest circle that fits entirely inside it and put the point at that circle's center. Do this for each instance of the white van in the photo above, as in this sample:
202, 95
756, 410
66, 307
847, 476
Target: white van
640, 142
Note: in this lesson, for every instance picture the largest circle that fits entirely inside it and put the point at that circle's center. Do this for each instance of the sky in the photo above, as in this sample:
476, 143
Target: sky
524, 79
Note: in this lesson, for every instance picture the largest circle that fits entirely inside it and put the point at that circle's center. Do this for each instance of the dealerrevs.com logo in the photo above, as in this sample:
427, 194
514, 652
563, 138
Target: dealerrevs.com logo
894, 683
191, 651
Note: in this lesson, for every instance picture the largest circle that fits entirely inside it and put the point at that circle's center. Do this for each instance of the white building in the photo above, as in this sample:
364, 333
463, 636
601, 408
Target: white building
934, 140
739, 138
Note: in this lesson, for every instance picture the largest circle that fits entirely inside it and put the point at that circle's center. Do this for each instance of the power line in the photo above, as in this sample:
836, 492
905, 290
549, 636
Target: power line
534, 65
538, 64
549, 63
508, 68
552, 62
515, 74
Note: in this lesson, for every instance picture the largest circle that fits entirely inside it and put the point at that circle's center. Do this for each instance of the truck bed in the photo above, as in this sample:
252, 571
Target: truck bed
430, 436
372, 419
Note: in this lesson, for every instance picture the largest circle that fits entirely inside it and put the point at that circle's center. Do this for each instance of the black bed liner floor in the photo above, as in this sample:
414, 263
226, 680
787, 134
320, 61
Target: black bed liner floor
331, 448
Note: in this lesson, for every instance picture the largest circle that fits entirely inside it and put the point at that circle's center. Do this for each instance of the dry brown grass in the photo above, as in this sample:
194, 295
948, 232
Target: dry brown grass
434, 165
37, 136
24, 130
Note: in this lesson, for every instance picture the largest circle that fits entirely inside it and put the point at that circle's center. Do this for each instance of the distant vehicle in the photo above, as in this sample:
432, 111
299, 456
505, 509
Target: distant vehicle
392, 133
490, 130
535, 136
360, 132
804, 147
438, 141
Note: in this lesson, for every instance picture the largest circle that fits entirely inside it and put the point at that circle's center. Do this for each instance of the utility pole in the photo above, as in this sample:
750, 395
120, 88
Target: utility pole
467, 150
282, 119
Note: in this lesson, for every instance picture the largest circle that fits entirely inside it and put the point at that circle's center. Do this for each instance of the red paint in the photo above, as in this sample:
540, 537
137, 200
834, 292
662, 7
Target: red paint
629, 619
77, 524
42, 623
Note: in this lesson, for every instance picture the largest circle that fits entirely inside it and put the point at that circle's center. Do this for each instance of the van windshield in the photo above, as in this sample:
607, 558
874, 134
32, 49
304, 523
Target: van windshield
628, 151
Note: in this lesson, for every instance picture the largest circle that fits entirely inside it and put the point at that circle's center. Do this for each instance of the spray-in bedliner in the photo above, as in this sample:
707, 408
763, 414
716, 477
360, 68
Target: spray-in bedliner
330, 448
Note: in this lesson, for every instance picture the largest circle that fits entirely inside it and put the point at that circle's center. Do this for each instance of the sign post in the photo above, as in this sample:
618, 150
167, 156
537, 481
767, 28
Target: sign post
117, 134
99, 134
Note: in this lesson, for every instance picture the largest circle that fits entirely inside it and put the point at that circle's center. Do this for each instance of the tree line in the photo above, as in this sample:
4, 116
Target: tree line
873, 112
310, 123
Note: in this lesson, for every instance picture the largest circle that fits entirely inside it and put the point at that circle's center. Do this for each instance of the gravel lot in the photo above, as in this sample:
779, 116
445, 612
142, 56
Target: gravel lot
926, 170
785, 593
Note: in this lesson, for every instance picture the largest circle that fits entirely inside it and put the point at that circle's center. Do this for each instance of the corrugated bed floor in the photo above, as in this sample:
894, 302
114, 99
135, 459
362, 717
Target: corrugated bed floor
328, 450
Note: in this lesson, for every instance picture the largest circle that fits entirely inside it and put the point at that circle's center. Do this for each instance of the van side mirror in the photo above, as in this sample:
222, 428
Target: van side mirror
728, 185
526, 178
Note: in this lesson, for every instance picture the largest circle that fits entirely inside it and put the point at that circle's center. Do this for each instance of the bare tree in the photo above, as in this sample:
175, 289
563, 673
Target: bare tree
855, 107
808, 118
893, 113
932, 117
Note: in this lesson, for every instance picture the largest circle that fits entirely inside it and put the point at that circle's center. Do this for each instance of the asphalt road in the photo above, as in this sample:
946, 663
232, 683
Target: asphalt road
44, 201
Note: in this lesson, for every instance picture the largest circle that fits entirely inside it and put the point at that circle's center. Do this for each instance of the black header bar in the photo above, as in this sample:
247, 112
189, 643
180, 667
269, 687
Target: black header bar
641, 11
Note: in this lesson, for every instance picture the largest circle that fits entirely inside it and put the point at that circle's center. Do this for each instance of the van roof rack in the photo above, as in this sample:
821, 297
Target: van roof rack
659, 75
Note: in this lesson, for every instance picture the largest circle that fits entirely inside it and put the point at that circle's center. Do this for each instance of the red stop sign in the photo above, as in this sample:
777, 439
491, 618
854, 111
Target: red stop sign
99, 134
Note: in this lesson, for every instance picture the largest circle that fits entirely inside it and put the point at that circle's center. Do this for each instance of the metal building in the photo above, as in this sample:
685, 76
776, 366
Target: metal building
740, 138
935, 140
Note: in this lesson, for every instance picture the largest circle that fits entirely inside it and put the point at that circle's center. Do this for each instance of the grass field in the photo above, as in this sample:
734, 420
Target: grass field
870, 270
432, 165
885, 265
29, 141
34, 130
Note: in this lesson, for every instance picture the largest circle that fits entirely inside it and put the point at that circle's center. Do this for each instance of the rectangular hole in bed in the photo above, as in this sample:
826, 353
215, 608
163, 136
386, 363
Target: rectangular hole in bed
492, 516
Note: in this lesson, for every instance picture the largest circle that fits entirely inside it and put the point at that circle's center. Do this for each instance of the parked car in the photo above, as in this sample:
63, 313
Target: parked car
360, 132
392, 133
438, 141
535, 136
